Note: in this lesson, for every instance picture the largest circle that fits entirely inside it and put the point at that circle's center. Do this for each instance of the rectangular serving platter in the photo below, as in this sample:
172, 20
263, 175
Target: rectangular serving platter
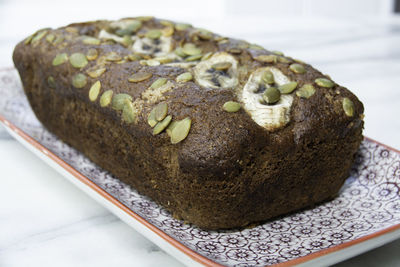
365, 214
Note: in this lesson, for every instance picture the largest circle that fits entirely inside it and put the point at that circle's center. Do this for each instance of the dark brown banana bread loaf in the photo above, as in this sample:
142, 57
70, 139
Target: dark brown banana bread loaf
220, 132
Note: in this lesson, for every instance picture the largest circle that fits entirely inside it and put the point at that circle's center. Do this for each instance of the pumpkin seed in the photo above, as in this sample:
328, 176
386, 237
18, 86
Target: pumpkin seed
256, 47
106, 98
271, 95
193, 58
158, 83
170, 128
162, 125
29, 39
130, 28
184, 77
206, 56
60, 59
139, 77
164, 60
38, 37
161, 111
306, 91
182, 26
266, 58
204, 34
134, 57
191, 49
50, 38
323, 82
235, 51
126, 41
151, 118
279, 53
128, 112
152, 62
287, 88
168, 31
79, 80
95, 73
348, 107
267, 77
113, 56
145, 18
231, 106
166, 23
78, 60
91, 41
179, 51
180, 130
51, 82
71, 29
221, 65
59, 39
297, 68
92, 54
153, 34
94, 91
284, 60
118, 101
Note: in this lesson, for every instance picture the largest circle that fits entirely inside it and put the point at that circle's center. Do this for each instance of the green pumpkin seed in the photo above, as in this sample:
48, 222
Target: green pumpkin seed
287, 88
161, 111
166, 23
284, 60
113, 56
51, 82
170, 128
127, 41
297, 68
153, 34
139, 77
221, 65
118, 101
59, 39
182, 26
29, 39
158, 83
78, 60
306, 91
152, 62
145, 18
134, 57
235, 51
38, 37
95, 73
267, 77
131, 28
79, 80
92, 54
50, 38
184, 77
180, 130
231, 106
168, 31
60, 59
271, 95
94, 91
204, 34
323, 82
193, 58
151, 119
279, 53
106, 98
179, 51
266, 58
206, 56
348, 107
191, 49
91, 41
256, 47
128, 112
162, 125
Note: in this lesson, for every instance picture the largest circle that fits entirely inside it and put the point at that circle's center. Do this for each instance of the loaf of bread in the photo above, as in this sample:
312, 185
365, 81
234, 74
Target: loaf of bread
220, 132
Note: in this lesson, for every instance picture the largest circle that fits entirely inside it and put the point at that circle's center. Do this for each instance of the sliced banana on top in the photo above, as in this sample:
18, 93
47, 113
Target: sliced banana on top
157, 47
273, 116
219, 71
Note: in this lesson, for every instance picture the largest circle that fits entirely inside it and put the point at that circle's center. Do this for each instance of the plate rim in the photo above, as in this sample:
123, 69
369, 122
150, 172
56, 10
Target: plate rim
175, 243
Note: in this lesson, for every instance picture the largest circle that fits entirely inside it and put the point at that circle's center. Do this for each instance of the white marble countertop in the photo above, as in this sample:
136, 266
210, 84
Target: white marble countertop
46, 221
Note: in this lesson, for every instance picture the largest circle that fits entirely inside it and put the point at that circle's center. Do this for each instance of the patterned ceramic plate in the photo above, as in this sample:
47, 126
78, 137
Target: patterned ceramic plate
366, 213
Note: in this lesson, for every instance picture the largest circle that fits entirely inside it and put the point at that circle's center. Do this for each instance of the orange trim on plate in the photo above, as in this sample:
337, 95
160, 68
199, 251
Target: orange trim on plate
192, 254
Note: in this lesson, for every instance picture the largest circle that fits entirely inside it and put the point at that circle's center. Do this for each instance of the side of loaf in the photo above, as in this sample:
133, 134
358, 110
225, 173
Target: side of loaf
220, 132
